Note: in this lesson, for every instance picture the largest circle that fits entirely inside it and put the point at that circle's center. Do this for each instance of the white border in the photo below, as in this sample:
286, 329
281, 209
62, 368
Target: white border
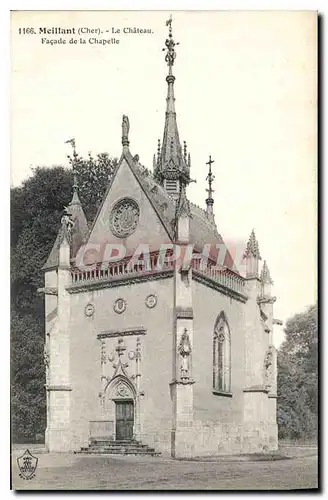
6, 6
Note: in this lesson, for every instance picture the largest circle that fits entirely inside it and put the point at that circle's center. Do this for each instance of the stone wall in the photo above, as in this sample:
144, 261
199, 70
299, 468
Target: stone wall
225, 438
155, 364
208, 407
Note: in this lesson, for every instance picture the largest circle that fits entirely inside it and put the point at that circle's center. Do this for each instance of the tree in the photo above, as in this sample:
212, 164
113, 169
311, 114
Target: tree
92, 175
297, 409
36, 210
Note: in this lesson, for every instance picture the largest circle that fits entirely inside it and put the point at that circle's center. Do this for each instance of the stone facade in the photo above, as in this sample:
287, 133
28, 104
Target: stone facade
178, 356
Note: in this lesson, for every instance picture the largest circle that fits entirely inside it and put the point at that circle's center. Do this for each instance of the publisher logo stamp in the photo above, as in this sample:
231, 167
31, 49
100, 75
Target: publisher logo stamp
27, 465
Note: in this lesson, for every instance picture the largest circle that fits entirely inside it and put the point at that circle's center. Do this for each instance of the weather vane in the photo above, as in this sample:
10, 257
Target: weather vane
170, 44
72, 143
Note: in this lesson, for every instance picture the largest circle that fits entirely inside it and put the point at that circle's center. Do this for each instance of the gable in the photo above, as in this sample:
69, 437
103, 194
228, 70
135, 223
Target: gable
149, 229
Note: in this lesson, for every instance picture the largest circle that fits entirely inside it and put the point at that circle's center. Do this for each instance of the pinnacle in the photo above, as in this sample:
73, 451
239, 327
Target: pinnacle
265, 274
252, 247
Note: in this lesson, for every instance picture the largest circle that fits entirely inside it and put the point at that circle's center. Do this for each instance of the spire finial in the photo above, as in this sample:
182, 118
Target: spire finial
170, 44
185, 151
75, 198
158, 152
125, 131
72, 143
210, 178
172, 160
75, 184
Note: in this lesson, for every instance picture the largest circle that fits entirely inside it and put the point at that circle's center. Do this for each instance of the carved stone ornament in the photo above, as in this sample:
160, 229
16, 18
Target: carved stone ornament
111, 357
103, 352
184, 351
221, 337
151, 301
66, 221
268, 368
119, 306
124, 217
123, 391
89, 310
125, 130
131, 355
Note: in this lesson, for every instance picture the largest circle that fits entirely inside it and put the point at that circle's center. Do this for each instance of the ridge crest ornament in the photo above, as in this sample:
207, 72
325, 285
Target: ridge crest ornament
124, 217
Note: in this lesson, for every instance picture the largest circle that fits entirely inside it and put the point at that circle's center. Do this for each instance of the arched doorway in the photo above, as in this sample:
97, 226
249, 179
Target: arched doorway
124, 419
120, 406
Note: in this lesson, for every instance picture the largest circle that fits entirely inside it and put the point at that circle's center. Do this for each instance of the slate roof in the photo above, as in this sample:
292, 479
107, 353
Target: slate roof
203, 229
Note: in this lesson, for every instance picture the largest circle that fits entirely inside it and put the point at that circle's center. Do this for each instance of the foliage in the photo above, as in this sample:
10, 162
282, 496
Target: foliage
297, 410
92, 175
36, 210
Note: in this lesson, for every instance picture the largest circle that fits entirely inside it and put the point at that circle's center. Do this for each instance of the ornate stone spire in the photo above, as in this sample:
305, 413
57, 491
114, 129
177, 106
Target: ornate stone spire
252, 255
183, 206
265, 274
172, 165
74, 226
252, 248
210, 178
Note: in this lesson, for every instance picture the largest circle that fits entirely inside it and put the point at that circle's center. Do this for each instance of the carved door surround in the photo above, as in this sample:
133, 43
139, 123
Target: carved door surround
122, 407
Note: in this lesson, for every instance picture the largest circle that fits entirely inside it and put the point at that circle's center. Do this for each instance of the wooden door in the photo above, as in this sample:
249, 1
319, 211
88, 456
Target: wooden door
124, 420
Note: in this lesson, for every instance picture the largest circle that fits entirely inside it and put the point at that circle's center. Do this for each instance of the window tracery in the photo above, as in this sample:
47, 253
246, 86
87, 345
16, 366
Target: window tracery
222, 355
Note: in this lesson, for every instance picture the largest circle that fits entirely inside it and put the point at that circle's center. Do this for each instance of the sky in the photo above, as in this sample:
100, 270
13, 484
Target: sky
245, 94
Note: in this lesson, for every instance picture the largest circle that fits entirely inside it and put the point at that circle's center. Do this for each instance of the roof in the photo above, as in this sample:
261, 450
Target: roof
78, 234
203, 229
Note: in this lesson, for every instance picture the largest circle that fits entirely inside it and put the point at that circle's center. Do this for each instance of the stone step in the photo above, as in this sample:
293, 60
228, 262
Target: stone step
112, 445
116, 445
108, 446
104, 451
109, 440
120, 447
120, 450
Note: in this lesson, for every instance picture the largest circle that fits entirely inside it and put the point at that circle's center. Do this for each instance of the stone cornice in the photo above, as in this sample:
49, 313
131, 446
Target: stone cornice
58, 387
49, 268
64, 267
86, 286
139, 330
182, 382
221, 393
205, 280
184, 313
277, 322
266, 299
48, 290
256, 388
252, 277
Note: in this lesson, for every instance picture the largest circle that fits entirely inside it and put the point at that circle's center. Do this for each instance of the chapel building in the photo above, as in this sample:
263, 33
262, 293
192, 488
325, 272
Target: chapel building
149, 352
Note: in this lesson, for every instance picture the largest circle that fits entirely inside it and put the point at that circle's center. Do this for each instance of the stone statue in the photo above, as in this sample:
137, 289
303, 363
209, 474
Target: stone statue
268, 369
184, 368
184, 350
67, 222
125, 129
